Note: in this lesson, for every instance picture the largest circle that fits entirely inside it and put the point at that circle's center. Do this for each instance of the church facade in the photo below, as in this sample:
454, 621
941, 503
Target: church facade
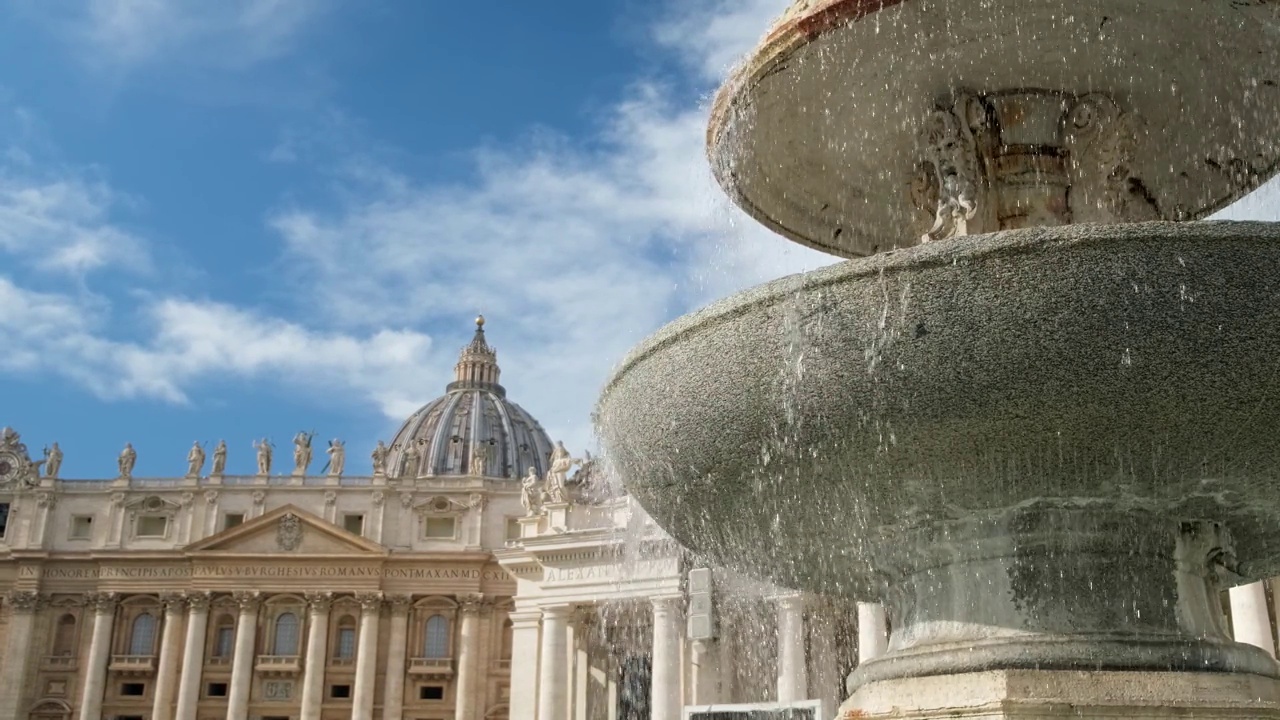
290, 593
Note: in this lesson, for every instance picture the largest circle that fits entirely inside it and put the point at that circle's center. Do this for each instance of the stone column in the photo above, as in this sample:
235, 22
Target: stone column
524, 662
793, 678
193, 656
666, 701
579, 654
873, 635
706, 672
317, 653
468, 657
366, 656
553, 680
95, 671
393, 689
170, 651
22, 606
242, 659
1250, 622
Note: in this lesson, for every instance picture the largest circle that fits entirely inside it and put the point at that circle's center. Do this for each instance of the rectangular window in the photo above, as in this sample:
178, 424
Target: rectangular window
339, 692
353, 524
217, 690
431, 692
513, 528
4, 519
81, 527
225, 642
153, 526
439, 528
231, 520
346, 643
133, 689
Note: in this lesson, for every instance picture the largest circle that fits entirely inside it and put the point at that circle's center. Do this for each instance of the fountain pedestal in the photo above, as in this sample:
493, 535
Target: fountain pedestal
1059, 695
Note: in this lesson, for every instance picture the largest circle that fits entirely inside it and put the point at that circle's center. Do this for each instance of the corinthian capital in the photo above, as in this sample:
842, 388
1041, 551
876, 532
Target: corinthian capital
25, 601
319, 602
247, 599
102, 602
369, 601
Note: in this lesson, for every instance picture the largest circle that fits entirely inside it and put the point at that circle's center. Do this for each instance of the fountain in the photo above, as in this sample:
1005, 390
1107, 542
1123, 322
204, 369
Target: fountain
1038, 418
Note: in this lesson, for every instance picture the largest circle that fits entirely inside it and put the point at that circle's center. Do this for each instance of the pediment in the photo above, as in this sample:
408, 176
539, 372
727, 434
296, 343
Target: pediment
286, 530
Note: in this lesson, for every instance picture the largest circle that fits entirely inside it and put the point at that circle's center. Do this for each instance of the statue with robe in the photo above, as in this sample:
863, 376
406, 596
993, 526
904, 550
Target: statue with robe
530, 492
128, 458
195, 460
302, 452
264, 448
337, 457
219, 458
380, 458
52, 461
561, 463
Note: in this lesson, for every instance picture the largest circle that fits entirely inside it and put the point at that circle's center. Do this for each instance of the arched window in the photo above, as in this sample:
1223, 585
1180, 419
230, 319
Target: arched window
346, 638
64, 636
436, 643
142, 640
286, 640
224, 639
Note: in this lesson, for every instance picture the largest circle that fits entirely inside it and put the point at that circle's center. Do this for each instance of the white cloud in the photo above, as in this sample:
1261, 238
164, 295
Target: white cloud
115, 35
713, 35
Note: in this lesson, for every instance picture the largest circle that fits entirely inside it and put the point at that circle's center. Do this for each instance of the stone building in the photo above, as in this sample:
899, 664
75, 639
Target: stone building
295, 594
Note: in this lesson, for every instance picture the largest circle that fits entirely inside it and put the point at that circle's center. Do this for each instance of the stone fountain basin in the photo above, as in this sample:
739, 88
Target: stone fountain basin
804, 430
815, 135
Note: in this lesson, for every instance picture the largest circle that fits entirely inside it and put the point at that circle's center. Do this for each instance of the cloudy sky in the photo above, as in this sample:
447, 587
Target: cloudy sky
247, 218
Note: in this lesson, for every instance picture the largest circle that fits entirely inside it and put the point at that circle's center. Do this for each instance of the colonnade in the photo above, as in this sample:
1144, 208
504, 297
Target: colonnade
180, 658
558, 685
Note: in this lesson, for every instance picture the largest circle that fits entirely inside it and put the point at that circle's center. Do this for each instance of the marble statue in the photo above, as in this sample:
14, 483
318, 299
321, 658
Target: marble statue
380, 458
195, 460
264, 447
561, 463
219, 458
409, 462
52, 461
302, 452
128, 458
530, 491
479, 459
337, 457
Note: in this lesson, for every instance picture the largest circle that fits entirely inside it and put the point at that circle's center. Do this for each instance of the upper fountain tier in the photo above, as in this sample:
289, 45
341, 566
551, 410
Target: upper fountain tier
860, 125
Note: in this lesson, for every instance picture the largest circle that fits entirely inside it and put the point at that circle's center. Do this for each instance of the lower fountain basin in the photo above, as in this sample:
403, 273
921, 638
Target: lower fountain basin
802, 429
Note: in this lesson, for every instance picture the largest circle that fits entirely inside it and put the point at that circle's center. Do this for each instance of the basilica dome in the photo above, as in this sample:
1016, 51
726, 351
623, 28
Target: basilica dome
473, 429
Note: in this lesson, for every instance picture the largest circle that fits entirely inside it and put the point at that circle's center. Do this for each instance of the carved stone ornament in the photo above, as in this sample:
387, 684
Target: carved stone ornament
289, 532
16, 467
246, 600
406, 499
25, 601
259, 497
399, 603
173, 602
46, 500
199, 601
1102, 141
330, 497
103, 603
319, 601
470, 602
117, 499
951, 179
377, 498
369, 601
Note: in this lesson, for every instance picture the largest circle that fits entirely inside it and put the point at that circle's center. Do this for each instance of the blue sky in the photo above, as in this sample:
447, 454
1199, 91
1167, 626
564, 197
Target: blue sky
247, 218
253, 217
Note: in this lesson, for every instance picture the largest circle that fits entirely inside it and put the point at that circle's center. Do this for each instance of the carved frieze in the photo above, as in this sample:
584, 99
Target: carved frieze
24, 601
